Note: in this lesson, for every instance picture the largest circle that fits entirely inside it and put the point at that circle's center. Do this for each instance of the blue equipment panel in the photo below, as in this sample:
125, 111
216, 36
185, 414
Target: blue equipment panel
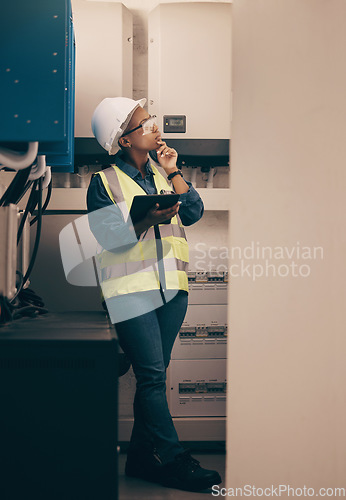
37, 77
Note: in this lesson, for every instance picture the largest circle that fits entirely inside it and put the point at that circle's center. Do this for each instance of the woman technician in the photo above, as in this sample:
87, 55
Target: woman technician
142, 270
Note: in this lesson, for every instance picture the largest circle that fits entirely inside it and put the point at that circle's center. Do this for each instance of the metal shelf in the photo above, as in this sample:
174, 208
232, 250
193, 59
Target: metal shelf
75, 199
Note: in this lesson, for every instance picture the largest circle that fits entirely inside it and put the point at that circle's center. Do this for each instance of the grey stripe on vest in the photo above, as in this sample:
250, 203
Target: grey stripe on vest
149, 265
171, 229
183, 234
148, 235
179, 265
126, 268
165, 231
114, 184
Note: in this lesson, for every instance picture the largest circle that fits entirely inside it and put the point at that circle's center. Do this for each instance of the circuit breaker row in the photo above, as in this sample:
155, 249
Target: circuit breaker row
202, 332
207, 277
207, 287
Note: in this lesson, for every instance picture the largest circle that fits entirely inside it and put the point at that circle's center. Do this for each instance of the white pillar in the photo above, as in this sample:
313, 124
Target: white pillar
287, 370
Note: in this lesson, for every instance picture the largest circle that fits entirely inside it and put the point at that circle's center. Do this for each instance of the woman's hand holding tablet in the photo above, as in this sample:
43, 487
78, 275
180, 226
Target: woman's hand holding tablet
156, 207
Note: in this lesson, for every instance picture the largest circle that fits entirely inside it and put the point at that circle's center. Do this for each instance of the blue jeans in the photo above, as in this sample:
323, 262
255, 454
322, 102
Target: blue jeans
147, 341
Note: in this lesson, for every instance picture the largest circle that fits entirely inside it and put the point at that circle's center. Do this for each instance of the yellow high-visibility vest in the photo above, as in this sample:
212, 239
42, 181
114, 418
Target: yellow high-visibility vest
136, 269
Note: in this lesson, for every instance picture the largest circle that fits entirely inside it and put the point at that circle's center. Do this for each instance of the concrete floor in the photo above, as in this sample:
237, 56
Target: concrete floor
136, 489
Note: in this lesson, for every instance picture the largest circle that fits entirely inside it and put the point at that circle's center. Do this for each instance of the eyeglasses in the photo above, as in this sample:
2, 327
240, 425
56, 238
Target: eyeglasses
148, 126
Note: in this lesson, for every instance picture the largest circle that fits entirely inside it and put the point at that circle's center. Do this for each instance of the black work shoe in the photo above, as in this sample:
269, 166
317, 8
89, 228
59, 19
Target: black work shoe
143, 465
185, 473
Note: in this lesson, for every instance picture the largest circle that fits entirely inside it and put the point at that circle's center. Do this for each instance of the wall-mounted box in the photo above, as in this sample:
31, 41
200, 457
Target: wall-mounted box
190, 75
37, 78
104, 47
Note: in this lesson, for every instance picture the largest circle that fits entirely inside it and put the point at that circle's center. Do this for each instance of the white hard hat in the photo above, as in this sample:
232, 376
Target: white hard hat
110, 120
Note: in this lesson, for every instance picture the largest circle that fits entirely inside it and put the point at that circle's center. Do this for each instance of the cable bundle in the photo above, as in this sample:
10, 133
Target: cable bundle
26, 302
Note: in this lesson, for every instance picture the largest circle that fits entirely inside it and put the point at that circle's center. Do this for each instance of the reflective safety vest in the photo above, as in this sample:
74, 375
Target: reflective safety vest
138, 269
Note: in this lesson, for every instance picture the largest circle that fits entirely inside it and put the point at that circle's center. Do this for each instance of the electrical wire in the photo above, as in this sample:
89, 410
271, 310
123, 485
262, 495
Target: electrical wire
25, 302
28, 296
5, 311
31, 204
17, 160
26, 187
87, 172
39, 168
205, 175
19, 286
29, 303
29, 311
15, 189
29, 208
47, 200
38, 233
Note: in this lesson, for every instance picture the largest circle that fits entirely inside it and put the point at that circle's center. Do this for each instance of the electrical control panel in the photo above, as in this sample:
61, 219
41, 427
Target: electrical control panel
190, 68
104, 45
189, 85
203, 334
174, 123
37, 86
197, 388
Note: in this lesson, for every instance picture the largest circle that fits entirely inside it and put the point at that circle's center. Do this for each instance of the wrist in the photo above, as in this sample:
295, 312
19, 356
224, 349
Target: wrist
170, 170
174, 174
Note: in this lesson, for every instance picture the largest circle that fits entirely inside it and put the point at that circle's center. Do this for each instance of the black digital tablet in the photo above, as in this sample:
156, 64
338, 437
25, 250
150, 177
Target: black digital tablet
141, 204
